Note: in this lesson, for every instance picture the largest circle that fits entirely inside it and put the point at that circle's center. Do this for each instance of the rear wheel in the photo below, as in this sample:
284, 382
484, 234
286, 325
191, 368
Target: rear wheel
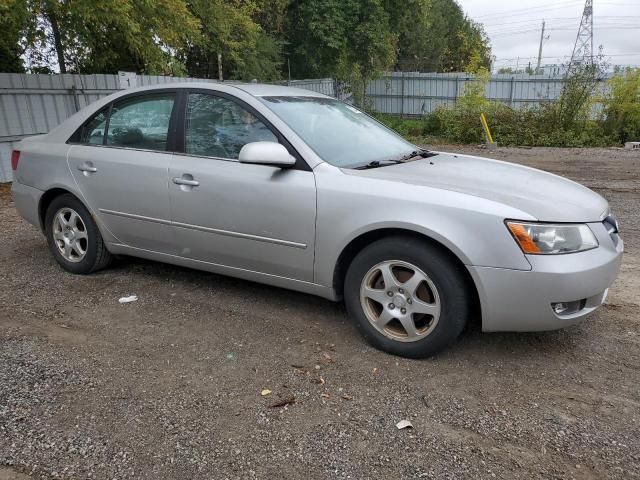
73, 236
407, 297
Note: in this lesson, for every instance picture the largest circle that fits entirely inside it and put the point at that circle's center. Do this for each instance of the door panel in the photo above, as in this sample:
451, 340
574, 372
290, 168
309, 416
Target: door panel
125, 182
128, 190
252, 217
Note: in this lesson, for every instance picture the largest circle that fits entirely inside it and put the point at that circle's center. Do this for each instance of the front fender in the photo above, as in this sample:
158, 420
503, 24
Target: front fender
472, 228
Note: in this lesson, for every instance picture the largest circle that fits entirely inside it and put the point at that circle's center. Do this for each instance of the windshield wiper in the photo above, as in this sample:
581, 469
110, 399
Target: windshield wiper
417, 153
394, 161
377, 164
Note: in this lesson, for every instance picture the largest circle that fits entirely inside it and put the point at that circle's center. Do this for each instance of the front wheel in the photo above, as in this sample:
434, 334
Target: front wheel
407, 297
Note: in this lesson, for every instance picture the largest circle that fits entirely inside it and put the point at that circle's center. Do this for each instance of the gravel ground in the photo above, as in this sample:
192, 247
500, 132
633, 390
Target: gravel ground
170, 386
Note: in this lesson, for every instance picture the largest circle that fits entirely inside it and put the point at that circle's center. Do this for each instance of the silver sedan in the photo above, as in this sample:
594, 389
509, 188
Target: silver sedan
298, 190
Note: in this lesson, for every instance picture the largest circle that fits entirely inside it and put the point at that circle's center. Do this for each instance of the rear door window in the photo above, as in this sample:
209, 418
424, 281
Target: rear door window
141, 122
93, 131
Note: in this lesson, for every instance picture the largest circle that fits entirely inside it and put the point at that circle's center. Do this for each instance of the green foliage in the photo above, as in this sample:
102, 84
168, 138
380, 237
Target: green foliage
436, 36
511, 126
575, 105
347, 39
473, 93
568, 122
100, 37
13, 24
507, 70
351, 40
228, 28
622, 106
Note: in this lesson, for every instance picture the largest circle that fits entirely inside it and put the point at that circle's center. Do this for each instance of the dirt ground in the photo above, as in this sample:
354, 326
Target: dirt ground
169, 387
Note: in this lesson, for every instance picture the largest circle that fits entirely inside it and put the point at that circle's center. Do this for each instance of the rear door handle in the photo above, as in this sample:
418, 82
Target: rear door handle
185, 181
87, 167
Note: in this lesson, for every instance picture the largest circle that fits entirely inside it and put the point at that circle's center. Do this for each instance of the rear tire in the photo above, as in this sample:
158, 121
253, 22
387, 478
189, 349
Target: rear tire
407, 297
73, 236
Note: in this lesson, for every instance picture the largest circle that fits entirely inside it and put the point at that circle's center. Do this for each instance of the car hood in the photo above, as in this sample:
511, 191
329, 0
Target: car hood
542, 195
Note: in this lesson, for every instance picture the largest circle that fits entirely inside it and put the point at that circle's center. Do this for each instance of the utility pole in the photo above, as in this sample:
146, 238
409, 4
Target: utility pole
540, 48
220, 67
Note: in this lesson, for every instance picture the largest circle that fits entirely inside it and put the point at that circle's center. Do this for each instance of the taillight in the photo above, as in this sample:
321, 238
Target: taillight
15, 158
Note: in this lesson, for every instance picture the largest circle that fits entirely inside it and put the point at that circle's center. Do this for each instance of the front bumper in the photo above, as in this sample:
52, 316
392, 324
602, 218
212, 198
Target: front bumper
517, 300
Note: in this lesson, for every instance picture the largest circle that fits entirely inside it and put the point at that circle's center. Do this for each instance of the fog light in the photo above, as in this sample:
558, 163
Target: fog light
568, 308
560, 307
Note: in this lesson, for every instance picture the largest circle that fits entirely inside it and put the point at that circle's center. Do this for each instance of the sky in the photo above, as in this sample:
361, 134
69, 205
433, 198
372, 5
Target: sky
514, 29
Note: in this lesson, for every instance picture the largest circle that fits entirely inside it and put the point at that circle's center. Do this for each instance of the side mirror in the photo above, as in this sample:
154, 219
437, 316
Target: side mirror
266, 153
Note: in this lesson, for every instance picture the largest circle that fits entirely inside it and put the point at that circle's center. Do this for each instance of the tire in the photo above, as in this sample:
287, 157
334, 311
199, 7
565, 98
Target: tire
429, 310
89, 253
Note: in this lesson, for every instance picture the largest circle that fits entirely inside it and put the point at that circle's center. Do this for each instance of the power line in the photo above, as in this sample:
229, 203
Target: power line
521, 11
565, 20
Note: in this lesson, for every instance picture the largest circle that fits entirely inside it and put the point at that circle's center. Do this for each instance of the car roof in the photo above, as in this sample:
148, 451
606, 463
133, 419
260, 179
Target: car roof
64, 130
254, 89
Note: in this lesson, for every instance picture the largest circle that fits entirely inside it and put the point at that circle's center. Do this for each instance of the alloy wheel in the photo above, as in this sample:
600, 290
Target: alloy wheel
70, 235
400, 300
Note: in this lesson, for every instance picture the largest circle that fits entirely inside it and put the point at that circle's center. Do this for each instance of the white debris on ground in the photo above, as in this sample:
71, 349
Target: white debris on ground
129, 299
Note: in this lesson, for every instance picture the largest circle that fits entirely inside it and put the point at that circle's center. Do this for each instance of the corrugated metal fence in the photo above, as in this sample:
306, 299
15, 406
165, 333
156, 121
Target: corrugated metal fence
413, 94
34, 104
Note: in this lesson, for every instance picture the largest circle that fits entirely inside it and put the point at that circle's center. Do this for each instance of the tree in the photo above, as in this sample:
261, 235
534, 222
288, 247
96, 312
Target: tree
348, 39
228, 28
103, 37
13, 25
436, 36
422, 34
352, 40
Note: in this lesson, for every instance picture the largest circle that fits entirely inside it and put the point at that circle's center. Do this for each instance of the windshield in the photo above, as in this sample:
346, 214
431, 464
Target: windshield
339, 133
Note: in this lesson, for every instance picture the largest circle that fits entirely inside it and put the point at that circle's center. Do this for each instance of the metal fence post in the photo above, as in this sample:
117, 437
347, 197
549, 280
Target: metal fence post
513, 82
455, 96
76, 100
402, 96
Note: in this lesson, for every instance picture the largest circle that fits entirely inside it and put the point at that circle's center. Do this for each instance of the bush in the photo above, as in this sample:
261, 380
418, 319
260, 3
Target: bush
567, 122
622, 106
510, 126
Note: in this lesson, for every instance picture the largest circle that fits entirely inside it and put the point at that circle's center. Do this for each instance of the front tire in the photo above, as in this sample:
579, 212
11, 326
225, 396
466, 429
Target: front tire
407, 297
73, 236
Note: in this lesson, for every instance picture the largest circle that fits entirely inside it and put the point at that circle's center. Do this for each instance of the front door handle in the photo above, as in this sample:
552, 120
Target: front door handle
187, 180
87, 167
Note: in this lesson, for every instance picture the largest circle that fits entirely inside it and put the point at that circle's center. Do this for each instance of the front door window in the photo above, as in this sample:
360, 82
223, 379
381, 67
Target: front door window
218, 127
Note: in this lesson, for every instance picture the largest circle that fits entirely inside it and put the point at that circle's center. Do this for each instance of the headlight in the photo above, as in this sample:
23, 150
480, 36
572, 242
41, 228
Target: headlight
548, 239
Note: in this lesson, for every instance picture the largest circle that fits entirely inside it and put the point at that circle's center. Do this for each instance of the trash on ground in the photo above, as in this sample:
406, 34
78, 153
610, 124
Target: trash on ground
265, 392
404, 424
129, 299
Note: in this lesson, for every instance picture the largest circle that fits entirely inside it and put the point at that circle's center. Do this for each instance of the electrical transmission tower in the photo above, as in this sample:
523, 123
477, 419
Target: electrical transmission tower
583, 49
